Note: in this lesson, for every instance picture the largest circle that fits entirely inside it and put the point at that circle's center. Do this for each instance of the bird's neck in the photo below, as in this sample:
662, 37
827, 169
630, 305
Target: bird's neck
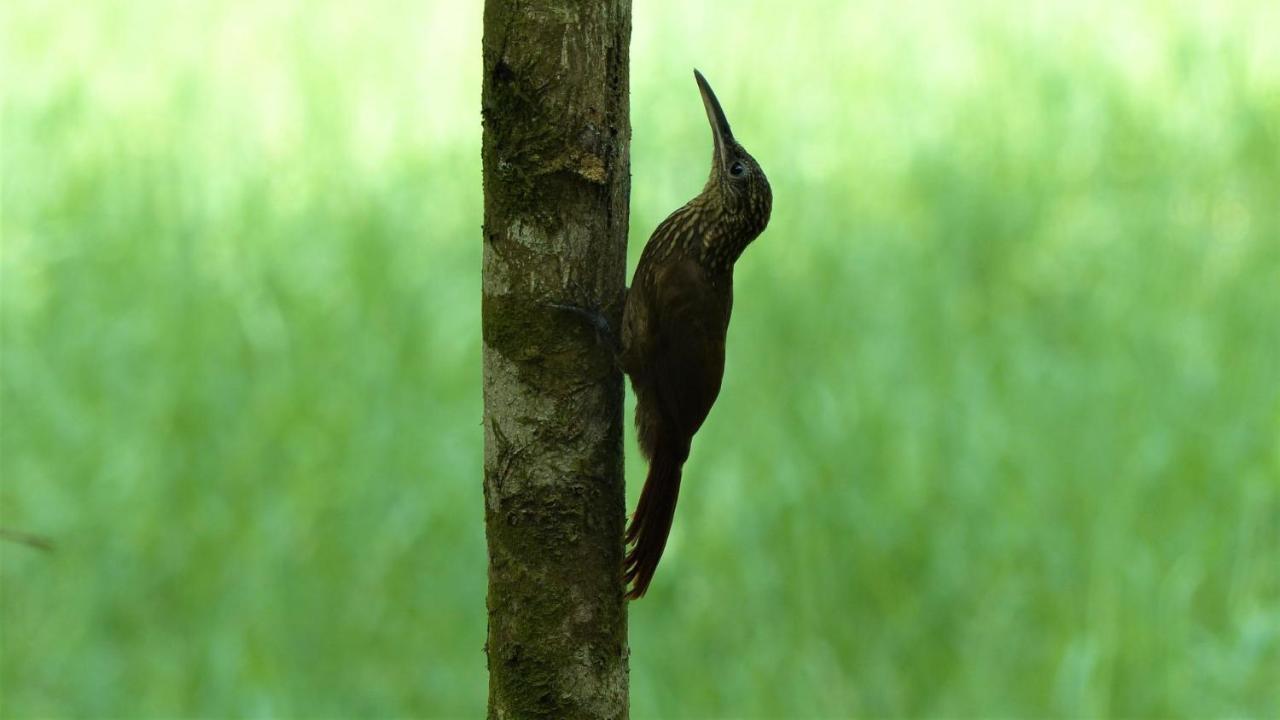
723, 234
706, 230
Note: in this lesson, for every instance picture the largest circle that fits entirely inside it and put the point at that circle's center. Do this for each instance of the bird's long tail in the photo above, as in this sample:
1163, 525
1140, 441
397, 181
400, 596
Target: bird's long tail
647, 534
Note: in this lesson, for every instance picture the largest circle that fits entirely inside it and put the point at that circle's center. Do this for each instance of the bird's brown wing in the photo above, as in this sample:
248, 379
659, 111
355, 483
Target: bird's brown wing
691, 317
684, 321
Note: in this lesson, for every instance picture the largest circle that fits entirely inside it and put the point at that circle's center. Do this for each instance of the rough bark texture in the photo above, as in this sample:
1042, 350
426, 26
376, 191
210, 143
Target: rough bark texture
556, 176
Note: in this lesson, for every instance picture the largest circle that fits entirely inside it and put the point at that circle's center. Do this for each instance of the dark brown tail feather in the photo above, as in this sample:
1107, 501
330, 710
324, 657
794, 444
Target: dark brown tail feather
651, 523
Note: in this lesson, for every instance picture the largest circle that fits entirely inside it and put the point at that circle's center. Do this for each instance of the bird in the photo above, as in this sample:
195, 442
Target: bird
675, 320
674, 324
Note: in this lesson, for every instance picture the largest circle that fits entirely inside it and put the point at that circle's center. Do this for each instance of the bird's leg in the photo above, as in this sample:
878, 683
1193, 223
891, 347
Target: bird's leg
605, 333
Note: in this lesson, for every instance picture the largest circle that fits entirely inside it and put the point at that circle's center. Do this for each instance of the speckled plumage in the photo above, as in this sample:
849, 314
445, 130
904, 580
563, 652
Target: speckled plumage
674, 326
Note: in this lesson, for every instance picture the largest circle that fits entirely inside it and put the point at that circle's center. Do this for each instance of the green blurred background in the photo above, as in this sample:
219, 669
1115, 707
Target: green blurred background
999, 435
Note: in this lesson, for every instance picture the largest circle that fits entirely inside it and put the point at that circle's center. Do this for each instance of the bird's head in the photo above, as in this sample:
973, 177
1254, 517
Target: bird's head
737, 184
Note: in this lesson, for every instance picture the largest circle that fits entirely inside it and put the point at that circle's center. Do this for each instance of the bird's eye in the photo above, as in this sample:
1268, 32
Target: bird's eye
737, 169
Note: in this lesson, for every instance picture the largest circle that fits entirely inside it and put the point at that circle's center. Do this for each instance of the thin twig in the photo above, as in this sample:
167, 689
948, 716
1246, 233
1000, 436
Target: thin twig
39, 542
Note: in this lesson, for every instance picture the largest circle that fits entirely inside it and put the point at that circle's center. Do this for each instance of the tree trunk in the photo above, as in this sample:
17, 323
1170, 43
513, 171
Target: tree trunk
556, 183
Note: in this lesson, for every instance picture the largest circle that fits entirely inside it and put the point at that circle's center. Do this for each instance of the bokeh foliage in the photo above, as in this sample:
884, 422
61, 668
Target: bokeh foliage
1000, 432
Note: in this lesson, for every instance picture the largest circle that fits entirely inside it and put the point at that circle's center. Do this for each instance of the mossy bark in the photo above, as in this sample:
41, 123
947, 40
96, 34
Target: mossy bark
556, 184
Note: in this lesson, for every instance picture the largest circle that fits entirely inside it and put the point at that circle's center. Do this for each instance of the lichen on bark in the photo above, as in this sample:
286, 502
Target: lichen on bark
556, 183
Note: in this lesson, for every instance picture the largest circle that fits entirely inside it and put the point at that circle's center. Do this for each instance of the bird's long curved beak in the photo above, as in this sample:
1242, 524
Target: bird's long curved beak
720, 131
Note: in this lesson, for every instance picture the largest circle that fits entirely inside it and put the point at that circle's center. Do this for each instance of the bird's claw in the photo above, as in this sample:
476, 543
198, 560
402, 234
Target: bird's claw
597, 321
595, 318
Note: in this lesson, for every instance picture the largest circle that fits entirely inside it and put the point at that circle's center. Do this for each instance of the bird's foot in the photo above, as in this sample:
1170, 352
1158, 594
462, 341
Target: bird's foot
594, 318
597, 321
